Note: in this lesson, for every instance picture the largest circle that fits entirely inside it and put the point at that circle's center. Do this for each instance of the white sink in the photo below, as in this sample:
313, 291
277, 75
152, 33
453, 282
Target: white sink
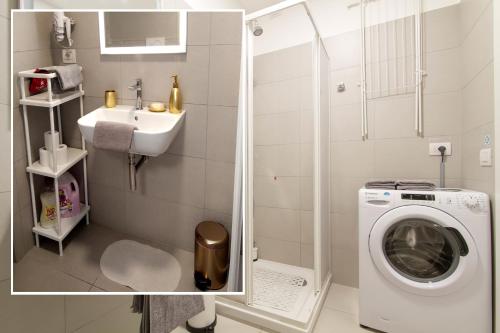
155, 130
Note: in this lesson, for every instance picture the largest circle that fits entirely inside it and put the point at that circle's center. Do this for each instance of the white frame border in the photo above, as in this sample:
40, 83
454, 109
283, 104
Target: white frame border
179, 48
14, 105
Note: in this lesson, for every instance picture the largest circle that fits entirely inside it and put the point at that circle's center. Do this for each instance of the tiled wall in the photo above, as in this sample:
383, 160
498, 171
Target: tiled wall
283, 158
476, 82
393, 150
193, 181
56, 314
5, 133
31, 50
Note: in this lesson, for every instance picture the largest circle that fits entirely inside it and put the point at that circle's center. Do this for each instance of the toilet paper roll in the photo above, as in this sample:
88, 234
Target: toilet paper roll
46, 156
47, 136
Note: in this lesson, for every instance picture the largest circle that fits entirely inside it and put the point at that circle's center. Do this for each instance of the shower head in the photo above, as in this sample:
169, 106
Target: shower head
257, 29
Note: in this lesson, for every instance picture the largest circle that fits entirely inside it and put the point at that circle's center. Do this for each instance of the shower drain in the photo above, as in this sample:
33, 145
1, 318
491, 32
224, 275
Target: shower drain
277, 290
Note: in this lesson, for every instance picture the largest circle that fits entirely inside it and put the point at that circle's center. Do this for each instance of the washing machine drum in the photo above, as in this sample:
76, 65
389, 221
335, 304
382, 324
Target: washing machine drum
423, 250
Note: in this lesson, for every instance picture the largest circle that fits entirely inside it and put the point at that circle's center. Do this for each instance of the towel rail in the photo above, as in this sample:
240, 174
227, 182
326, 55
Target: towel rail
381, 82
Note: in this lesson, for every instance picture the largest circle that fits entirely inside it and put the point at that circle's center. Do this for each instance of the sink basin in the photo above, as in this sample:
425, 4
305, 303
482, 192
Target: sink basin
155, 130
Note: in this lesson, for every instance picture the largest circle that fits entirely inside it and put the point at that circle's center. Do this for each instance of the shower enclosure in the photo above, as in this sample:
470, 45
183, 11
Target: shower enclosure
287, 171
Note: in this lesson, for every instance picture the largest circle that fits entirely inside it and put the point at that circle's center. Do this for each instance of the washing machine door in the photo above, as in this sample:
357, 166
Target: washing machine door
423, 250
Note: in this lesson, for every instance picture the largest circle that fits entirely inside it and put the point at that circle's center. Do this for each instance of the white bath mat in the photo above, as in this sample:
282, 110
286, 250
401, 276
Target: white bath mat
141, 267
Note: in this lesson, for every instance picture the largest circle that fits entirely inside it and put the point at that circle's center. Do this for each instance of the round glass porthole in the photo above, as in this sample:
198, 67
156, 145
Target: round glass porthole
422, 250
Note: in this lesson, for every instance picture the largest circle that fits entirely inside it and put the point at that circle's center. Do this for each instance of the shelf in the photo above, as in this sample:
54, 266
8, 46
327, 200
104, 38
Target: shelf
31, 74
67, 225
42, 99
74, 156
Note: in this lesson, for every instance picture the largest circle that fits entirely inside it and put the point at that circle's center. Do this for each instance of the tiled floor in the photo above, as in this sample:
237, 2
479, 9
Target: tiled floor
339, 314
42, 269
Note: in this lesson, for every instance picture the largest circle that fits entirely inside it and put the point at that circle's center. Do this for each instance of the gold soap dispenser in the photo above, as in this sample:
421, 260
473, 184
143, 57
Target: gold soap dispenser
175, 102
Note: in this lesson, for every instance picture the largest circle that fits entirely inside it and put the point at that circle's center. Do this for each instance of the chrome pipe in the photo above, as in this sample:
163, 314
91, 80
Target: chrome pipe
133, 168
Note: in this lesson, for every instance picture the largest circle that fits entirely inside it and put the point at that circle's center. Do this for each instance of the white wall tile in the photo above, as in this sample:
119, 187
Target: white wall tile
226, 28
279, 192
470, 12
394, 117
192, 137
478, 103
277, 250
443, 114
477, 48
100, 72
277, 97
221, 133
277, 223
38, 24
178, 179
224, 75
219, 186
409, 158
342, 47
156, 71
108, 206
443, 72
353, 159
307, 256
306, 227
277, 160
4, 62
442, 29
277, 129
198, 28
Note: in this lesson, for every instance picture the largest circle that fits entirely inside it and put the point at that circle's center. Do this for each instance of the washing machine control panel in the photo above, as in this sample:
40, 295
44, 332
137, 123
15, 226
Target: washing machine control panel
476, 202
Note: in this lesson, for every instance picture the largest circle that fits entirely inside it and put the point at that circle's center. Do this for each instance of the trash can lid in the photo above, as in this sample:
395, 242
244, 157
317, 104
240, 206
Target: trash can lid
212, 235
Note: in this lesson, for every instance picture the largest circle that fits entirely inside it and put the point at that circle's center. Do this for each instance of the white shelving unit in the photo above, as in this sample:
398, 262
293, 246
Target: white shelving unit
53, 101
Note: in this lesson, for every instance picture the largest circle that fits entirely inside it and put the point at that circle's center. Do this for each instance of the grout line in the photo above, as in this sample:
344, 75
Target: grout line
479, 72
476, 22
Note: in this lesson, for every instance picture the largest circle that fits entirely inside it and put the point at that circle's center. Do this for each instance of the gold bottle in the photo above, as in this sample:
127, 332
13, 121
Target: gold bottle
175, 102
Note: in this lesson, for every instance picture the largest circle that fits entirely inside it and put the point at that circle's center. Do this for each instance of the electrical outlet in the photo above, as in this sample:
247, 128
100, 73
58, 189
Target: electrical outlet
434, 148
69, 56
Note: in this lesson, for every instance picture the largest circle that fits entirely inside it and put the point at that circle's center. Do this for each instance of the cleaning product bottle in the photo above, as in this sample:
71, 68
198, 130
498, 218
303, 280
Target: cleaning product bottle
48, 215
175, 102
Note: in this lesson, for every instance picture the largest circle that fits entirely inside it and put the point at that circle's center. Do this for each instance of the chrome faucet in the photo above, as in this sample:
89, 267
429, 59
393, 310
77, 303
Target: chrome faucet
138, 88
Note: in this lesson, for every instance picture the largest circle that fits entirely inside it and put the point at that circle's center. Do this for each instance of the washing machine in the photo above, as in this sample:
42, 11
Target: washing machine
425, 263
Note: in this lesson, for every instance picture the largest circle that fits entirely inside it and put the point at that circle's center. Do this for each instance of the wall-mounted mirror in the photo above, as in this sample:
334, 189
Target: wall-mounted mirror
142, 32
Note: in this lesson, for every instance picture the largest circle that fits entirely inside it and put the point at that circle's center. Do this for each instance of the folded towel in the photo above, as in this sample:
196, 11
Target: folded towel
68, 77
417, 185
381, 184
165, 313
111, 135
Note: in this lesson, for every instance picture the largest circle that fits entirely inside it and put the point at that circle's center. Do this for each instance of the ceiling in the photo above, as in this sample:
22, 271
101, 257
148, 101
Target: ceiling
253, 5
